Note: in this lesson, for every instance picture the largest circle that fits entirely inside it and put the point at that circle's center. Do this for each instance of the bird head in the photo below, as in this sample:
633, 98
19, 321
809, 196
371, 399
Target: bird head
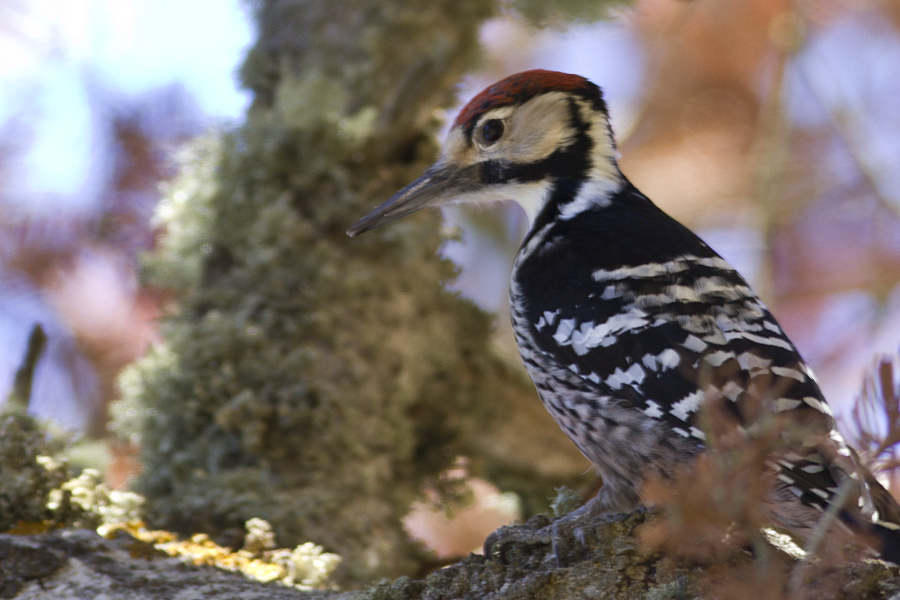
541, 138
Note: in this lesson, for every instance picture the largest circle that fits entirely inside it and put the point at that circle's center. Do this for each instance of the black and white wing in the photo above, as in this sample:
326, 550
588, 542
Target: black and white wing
646, 317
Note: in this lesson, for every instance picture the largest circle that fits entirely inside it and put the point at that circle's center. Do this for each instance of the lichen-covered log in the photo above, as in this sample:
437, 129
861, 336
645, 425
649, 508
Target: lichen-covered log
608, 560
315, 381
80, 565
607, 563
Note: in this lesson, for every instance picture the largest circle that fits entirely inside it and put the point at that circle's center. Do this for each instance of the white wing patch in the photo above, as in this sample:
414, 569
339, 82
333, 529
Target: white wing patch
547, 319
684, 408
772, 326
667, 359
749, 361
759, 339
564, 331
588, 335
634, 375
653, 410
718, 358
610, 292
819, 406
721, 288
688, 261
694, 344
783, 404
787, 372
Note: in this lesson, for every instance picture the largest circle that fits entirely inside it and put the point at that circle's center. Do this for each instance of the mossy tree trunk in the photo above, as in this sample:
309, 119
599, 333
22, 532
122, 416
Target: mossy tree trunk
309, 379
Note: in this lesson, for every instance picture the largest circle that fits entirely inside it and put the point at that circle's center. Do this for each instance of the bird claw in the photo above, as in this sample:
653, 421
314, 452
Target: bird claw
563, 535
536, 532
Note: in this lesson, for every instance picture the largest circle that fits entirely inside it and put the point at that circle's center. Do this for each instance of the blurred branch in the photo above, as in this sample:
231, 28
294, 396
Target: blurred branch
771, 153
823, 527
20, 396
877, 410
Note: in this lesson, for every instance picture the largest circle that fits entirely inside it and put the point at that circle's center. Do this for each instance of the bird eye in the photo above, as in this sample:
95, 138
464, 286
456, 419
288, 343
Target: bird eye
491, 131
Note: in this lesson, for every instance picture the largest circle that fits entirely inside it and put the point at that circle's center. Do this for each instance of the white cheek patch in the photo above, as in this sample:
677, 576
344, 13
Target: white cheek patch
530, 196
534, 130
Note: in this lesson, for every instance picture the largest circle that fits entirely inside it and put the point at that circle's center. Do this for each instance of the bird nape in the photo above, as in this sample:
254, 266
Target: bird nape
628, 323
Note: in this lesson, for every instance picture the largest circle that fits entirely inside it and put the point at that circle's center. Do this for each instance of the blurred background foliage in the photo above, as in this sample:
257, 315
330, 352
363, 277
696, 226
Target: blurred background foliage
769, 126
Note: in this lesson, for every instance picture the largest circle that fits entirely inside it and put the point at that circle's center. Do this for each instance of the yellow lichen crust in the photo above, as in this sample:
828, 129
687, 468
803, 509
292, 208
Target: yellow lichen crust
86, 501
307, 567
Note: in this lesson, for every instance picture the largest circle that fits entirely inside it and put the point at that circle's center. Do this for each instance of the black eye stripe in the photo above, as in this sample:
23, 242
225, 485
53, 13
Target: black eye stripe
492, 130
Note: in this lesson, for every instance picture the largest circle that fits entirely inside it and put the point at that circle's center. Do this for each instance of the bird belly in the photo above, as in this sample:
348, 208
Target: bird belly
619, 440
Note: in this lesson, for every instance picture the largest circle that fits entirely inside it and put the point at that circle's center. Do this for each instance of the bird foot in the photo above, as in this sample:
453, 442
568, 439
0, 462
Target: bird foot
566, 536
505, 542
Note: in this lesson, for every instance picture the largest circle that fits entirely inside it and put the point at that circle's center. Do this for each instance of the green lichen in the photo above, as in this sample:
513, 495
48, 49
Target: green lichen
38, 489
28, 471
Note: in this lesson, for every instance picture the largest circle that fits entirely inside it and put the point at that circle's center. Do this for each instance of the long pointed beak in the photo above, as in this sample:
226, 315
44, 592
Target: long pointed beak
438, 185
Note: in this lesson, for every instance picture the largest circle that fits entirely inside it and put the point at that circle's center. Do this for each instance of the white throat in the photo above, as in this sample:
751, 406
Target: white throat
532, 197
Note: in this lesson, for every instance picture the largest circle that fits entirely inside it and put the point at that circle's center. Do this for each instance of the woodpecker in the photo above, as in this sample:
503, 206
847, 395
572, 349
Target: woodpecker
627, 322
